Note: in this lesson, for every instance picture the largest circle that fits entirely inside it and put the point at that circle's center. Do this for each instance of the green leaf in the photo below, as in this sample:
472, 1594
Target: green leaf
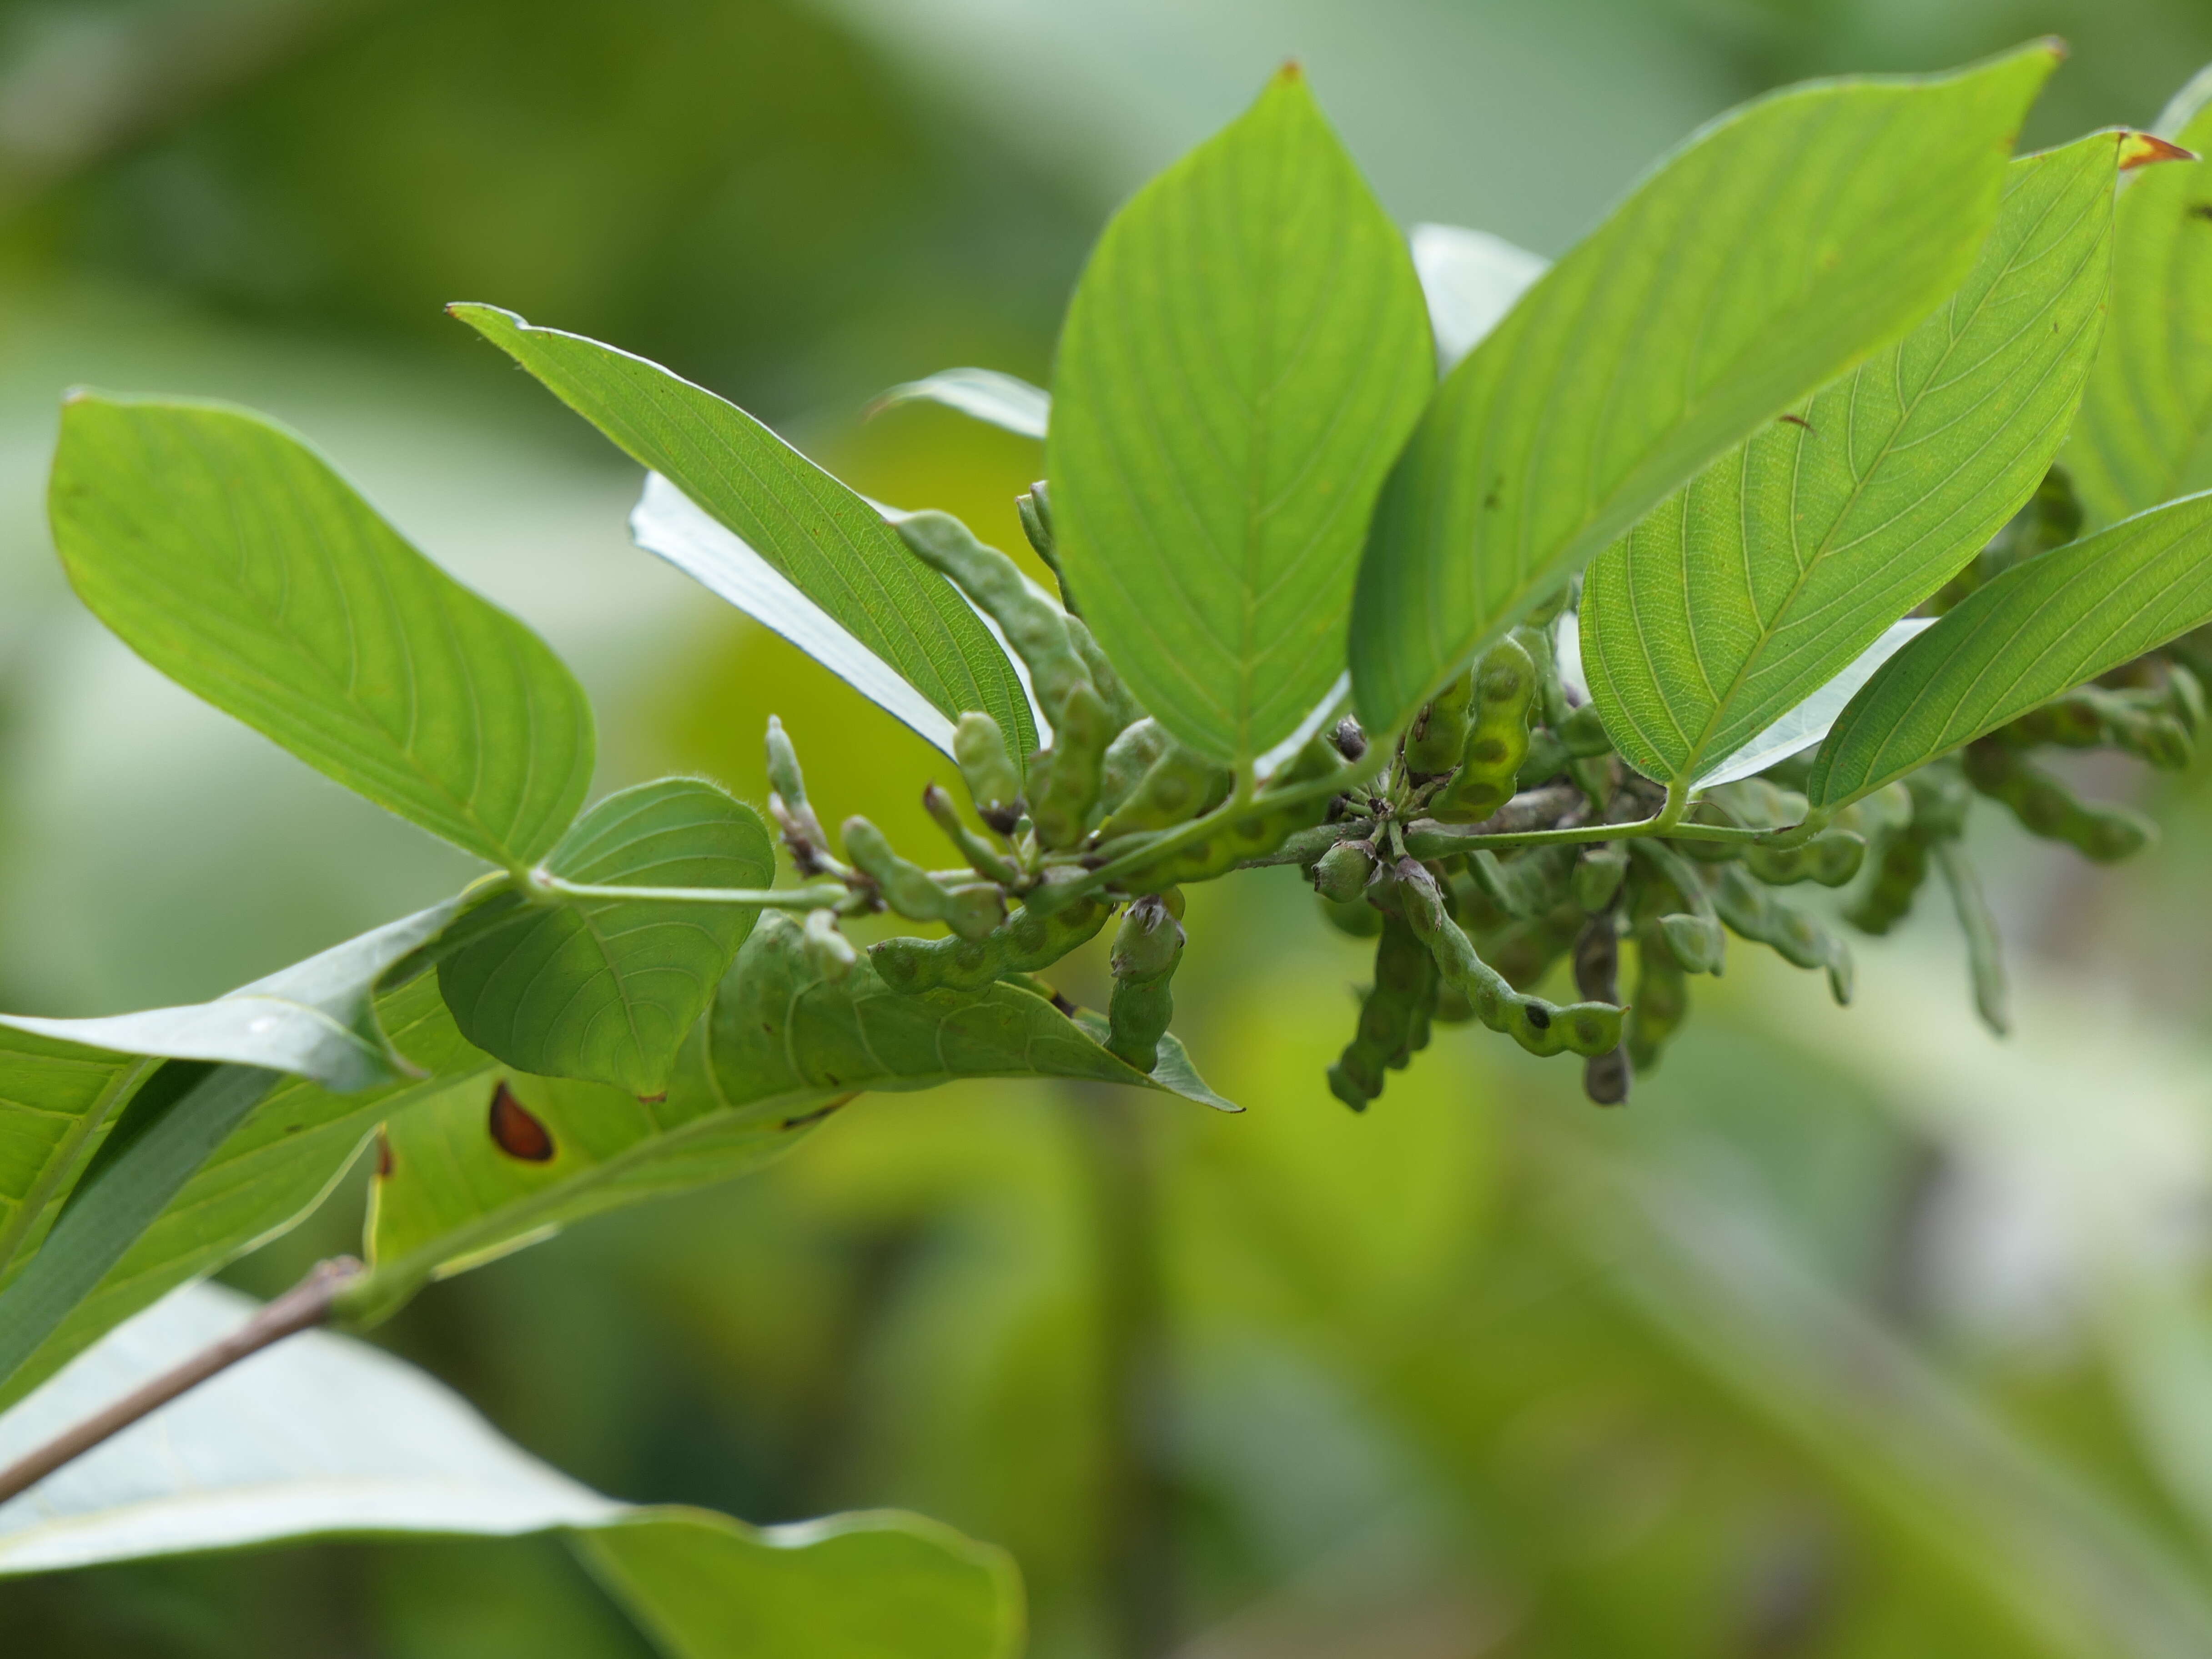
2045, 626
604, 989
816, 533
1755, 585
782, 1049
232, 557
272, 1172
2145, 432
1244, 354
1774, 250
984, 394
370, 1446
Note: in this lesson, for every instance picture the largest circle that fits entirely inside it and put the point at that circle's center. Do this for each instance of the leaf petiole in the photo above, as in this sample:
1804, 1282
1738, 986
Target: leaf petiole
824, 897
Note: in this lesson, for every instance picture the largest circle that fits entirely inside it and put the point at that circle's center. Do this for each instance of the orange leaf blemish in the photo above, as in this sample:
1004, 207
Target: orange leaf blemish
2143, 149
515, 1131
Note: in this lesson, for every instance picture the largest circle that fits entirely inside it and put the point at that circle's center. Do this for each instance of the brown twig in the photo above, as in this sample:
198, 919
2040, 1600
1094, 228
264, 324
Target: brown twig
304, 1305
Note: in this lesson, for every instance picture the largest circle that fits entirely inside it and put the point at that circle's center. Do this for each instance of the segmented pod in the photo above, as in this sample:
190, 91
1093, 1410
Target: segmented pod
1831, 858
829, 952
1497, 739
1753, 913
2046, 807
1064, 780
1147, 946
1034, 626
1357, 919
1393, 1015
1025, 943
1129, 757
1581, 733
1541, 1027
1606, 1077
1524, 951
1176, 787
1599, 869
1122, 705
1438, 736
1693, 934
1985, 954
979, 749
982, 858
1662, 1000
1899, 874
1528, 883
971, 911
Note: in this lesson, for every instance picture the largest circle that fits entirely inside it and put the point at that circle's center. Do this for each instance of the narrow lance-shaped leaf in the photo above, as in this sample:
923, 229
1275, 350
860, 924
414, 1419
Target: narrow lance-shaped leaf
1776, 248
2045, 626
999, 400
370, 1446
604, 989
1243, 356
817, 534
232, 557
275, 1169
2145, 432
469, 1177
1754, 586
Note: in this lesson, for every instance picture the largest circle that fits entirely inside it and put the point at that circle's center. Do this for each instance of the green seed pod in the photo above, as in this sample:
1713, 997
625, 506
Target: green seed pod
1129, 757
1523, 952
980, 751
1545, 760
1693, 934
1984, 956
1832, 858
1606, 1077
1582, 734
1357, 919
1146, 948
1176, 787
787, 804
1120, 703
2184, 697
1540, 1027
1753, 803
1497, 739
1342, 873
783, 774
1899, 874
1662, 998
1034, 626
1528, 882
982, 858
906, 887
1064, 780
1439, 731
2047, 808
1026, 943
1393, 1015
1941, 798
1550, 608
974, 910
1756, 915
1034, 507
1599, 869
829, 952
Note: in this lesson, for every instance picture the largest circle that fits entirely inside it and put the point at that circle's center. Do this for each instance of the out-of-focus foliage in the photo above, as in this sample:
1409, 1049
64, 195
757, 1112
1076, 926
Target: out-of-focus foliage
1909, 1355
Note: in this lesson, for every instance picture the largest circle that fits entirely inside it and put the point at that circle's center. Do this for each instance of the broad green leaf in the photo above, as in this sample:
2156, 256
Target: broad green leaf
273, 1171
57, 1100
999, 399
812, 531
1471, 279
232, 557
782, 1048
370, 1446
1244, 354
1757, 583
160, 1133
2045, 626
2145, 431
1778, 248
604, 989
1811, 721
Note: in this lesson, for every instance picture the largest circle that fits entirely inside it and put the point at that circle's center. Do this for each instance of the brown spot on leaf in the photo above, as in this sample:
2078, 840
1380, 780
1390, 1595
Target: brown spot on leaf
383, 1156
2200, 210
2143, 149
818, 1112
515, 1131
653, 1100
1798, 420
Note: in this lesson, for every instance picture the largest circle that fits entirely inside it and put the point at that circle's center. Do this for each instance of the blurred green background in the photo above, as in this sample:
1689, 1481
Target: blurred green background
1857, 1333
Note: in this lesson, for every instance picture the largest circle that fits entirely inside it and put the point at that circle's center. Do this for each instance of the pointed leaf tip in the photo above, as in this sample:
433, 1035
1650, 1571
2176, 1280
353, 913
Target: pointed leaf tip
2143, 149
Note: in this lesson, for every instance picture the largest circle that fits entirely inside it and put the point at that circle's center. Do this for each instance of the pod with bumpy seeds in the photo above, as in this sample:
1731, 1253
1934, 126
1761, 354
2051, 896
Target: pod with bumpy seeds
2046, 807
1393, 1015
1756, 915
982, 858
1358, 919
1026, 943
1122, 705
972, 910
1693, 933
1662, 996
1174, 788
829, 952
1985, 955
1251, 835
1497, 739
1599, 869
1541, 1027
1606, 1077
1831, 858
1129, 757
1034, 626
2146, 722
1581, 733
1146, 949
1524, 951
1527, 884
979, 749
1438, 734
1064, 780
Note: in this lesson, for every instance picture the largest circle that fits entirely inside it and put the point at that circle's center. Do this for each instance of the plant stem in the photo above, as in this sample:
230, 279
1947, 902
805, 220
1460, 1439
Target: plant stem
824, 896
307, 1304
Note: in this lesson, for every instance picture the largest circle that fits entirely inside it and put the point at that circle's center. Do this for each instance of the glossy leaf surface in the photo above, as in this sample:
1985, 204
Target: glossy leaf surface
1750, 588
233, 558
782, 1048
1775, 249
2145, 431
372, 1446
604, 989
819, 535
2042, 627
1243, 357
